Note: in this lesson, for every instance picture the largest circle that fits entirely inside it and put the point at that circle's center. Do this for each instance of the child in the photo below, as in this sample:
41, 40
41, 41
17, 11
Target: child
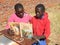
41, 25
19, 15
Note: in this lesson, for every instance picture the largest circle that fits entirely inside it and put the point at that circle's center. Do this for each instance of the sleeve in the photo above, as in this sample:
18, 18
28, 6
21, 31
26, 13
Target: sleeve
31, 20
30, 17
47, 27
11, 19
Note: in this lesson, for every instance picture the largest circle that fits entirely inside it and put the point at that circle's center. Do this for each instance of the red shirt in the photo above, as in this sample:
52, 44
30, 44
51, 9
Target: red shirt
41, 25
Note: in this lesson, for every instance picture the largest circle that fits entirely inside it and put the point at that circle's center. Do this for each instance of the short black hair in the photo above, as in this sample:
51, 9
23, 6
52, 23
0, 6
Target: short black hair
40, 6
17, 6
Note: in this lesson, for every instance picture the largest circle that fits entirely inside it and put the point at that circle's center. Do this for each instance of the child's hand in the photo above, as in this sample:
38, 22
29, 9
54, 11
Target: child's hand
35, 38
10, 32
42, 37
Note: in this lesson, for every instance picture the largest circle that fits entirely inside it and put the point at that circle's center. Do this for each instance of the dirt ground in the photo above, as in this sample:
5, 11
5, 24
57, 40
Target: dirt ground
54, 16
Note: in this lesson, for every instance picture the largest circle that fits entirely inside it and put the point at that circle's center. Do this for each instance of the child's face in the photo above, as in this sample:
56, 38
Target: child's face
20, 12
38, 12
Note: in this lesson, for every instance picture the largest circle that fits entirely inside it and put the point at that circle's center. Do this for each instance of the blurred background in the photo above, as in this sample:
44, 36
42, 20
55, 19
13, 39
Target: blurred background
52, 7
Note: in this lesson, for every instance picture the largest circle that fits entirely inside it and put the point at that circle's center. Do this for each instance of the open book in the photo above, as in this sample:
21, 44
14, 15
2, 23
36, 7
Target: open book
24, 29
15, 27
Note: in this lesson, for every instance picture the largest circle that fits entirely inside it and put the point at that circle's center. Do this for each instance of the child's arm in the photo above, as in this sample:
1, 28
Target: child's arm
11, 19
47, 27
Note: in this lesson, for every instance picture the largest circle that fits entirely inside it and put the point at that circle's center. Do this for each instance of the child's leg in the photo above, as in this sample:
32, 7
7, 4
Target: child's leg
35, 43
42, 42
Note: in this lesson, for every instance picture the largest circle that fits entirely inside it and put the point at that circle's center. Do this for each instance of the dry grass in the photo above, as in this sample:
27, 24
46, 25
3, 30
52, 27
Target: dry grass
54, 16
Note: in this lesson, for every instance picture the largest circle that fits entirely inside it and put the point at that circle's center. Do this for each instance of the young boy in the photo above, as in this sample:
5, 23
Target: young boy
19, 15
41, 25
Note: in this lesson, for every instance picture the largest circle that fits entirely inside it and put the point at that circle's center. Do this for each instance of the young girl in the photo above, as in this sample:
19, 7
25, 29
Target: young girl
41, 25
19, 15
